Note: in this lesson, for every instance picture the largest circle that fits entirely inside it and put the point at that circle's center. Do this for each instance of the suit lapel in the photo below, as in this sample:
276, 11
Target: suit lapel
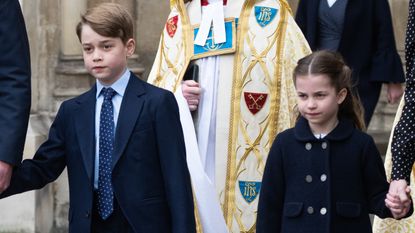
130, 110
85, 126
313, 19
353, 10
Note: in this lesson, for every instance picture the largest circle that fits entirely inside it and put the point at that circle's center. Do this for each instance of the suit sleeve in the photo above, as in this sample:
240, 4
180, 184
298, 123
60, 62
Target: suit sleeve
386, 63
47, 164
301, 15
271, 197
173, 163
15, 91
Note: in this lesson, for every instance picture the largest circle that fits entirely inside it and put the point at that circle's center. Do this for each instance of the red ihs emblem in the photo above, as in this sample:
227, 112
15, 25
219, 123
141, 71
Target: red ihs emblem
255, 101
171, 25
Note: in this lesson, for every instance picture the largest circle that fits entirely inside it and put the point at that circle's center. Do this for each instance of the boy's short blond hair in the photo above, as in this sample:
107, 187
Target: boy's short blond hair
109, 20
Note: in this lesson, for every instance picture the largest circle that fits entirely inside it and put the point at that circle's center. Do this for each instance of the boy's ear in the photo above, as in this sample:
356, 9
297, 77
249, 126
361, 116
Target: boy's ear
130, 45
341, 96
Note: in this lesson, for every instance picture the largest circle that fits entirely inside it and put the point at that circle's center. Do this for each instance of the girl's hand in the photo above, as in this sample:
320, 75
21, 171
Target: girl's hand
398, 199
191, 92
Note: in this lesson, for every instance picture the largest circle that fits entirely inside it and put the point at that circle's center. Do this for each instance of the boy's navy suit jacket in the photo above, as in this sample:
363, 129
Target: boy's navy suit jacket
150, 177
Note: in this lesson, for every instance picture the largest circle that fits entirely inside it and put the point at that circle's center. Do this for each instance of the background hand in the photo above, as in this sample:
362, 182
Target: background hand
395, 92
191, 92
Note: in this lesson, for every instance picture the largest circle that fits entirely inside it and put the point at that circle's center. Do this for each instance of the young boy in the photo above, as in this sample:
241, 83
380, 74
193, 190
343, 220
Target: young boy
121, 142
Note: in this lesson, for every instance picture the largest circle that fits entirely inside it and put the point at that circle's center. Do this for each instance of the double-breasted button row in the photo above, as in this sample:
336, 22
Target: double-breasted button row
323, 210
309, 178
308, 146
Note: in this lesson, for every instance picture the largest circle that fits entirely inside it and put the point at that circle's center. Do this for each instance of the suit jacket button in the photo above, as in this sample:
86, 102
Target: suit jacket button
87, 214
324, 145
310, 210
309, 179
323, 211
308, 146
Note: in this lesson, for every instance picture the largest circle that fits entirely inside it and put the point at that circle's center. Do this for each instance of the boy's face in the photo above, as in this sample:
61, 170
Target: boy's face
105, 58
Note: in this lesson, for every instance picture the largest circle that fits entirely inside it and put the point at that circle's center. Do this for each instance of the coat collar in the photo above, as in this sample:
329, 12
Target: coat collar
342, 131
130, 110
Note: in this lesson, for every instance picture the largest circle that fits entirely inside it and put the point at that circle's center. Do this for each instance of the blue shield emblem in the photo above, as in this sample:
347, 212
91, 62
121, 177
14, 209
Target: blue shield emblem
210, 48
249, 190
264, 15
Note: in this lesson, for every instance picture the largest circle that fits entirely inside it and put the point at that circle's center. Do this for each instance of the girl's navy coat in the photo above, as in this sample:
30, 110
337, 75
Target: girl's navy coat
327, 185
367, 44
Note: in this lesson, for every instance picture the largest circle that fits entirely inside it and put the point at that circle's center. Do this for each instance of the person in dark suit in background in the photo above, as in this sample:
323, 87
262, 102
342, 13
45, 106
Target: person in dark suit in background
361, 31
15, 93
121, 142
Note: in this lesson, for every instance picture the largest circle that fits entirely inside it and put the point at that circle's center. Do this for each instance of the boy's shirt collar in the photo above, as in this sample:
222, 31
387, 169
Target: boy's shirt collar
119, 86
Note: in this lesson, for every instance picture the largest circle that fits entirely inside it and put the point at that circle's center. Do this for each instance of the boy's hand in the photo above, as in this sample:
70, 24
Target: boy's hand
398, 199
5, 175
191, 92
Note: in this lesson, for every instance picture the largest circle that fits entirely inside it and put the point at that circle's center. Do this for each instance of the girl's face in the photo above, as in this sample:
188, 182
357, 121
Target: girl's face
318, 101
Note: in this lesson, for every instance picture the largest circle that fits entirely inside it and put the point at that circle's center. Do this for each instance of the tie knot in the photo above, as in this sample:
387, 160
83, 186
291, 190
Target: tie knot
108, 93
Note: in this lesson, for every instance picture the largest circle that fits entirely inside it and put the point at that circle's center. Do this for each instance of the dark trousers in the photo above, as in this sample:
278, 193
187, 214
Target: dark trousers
115, 223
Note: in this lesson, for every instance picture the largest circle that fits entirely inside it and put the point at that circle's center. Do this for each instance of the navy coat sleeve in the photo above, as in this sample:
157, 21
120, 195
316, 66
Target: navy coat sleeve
386, 63
172, 152
375, 180
14, 82
271, 198
47, 164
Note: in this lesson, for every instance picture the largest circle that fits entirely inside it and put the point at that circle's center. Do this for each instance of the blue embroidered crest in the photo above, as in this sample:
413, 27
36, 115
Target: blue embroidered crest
264, 15
249, 190
211, 48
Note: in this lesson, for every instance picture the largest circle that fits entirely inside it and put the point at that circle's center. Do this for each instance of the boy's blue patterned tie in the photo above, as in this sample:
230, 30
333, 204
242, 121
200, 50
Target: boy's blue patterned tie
106, 144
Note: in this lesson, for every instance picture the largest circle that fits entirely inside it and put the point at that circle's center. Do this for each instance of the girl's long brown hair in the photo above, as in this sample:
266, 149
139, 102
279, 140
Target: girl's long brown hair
332, 64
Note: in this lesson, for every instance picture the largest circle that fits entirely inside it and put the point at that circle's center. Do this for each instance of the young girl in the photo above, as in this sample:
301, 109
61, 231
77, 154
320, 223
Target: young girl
324, 175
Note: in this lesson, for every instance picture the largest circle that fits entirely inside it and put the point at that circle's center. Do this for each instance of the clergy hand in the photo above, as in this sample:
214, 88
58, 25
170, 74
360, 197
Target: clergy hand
191, 92
5, 175
398, 199
395, 92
